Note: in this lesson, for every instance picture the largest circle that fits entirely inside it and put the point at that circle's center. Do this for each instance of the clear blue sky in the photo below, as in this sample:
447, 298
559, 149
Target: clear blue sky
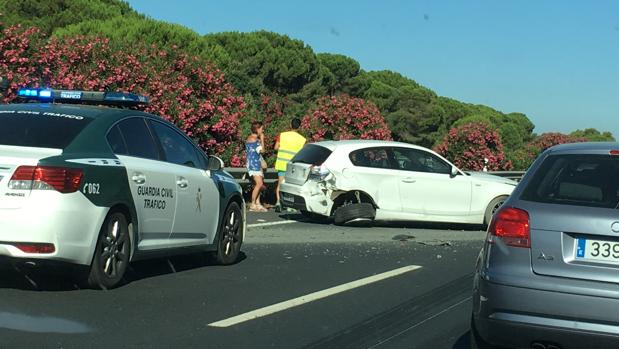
556, 61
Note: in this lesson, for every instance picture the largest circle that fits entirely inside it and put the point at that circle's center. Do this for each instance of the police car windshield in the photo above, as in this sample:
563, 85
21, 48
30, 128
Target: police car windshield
27, 128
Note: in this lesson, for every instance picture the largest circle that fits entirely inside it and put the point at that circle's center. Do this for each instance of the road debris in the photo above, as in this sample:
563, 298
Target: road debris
403, 237
435, 243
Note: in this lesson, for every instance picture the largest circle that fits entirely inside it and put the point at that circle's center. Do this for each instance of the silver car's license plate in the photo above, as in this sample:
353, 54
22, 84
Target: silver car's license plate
598, 250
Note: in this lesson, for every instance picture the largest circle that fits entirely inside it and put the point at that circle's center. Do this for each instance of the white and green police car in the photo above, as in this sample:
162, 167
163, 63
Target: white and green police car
101, 187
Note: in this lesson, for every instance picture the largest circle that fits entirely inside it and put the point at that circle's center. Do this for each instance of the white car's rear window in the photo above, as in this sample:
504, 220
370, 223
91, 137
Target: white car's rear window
312, 154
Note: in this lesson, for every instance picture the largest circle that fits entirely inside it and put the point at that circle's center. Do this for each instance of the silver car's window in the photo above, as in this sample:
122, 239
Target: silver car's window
581, 180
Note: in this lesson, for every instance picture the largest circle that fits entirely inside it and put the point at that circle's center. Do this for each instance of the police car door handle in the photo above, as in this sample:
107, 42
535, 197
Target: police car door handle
182, 182
139, 178
409, 180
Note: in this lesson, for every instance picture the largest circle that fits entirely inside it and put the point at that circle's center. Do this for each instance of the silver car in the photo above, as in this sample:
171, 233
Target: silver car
548, 274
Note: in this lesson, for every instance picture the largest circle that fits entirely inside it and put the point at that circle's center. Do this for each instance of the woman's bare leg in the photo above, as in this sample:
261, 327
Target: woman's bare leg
255, 194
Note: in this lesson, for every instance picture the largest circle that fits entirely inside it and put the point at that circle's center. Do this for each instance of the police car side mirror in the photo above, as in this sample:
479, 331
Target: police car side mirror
4, 84
215, 163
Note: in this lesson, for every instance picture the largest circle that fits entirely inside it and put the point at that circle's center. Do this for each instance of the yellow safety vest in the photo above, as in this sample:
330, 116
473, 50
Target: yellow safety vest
290, 143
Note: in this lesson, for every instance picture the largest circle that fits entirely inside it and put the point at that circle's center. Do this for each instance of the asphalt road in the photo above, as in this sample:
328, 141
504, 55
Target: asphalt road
413, 292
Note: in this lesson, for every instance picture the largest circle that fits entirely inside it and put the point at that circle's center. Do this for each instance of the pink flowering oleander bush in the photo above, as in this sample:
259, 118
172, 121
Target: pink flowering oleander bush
346, 118
185, 90
547, 140
523, 157
468, 145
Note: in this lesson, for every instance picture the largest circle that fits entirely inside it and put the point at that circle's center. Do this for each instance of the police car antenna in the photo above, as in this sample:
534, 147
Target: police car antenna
109, 98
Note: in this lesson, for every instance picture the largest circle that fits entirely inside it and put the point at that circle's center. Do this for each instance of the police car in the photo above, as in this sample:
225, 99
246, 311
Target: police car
101, 187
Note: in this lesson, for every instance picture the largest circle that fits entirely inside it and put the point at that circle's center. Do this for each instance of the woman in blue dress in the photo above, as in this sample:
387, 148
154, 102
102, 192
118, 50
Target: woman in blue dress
253, 147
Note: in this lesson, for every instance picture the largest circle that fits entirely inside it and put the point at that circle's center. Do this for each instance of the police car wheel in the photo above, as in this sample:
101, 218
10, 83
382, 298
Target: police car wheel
230, 236
111, 256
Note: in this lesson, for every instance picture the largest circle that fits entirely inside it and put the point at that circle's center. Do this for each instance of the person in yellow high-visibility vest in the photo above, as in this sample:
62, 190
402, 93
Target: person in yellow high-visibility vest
287, 145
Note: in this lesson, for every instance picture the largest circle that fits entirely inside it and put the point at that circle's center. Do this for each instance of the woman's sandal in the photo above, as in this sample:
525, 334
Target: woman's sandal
257, 208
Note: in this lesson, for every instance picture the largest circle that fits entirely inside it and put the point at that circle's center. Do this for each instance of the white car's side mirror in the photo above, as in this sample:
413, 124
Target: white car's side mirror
454, 172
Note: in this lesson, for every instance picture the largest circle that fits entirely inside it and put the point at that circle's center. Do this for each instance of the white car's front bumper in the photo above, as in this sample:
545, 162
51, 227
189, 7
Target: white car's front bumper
307, 197
68, 221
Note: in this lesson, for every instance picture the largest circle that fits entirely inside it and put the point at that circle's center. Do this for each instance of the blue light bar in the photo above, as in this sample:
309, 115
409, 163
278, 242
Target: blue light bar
28, 92
45, 93
121, 99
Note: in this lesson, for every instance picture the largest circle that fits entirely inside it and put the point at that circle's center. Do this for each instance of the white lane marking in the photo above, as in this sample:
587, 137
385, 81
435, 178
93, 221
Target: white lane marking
421, 322
271, 309
257, 225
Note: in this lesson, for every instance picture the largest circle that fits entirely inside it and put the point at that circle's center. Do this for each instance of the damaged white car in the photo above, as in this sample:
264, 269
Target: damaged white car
363, 180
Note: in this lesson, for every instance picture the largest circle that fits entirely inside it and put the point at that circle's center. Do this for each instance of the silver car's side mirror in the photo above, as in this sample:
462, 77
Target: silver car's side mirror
215, 163
454, 172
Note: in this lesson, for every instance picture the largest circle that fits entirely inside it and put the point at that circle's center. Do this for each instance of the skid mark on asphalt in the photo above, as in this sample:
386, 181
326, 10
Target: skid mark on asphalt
271, 309
449, 308
390, 324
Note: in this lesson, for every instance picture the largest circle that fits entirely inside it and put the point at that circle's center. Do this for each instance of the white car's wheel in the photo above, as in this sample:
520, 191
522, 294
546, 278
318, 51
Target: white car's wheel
494, 205
354, 212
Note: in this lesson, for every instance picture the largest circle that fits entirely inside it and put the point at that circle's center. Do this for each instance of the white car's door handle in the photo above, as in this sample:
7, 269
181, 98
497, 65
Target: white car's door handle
182, 182
409, 180
138, 178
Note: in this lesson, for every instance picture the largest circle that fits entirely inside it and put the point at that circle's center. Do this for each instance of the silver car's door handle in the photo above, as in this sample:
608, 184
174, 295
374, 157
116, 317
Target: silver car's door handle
182, 182
409, 180
138, 178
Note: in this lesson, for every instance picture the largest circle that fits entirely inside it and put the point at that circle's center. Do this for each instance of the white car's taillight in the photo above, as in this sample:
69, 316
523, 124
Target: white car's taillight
64, 180
318, 173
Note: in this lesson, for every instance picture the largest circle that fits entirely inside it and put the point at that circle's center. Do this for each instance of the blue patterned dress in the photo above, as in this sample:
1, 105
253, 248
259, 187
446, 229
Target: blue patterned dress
253, 156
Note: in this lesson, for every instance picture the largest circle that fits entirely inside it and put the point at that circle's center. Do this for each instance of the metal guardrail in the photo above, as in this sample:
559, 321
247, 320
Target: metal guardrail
270, 176
241, 176
515, 175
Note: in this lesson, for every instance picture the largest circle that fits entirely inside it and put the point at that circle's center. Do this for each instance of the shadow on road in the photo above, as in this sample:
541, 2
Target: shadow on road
71, 278
463, 342
163, 266
409, 225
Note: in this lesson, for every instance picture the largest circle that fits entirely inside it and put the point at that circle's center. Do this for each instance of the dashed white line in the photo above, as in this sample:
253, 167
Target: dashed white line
268, 224
271, 309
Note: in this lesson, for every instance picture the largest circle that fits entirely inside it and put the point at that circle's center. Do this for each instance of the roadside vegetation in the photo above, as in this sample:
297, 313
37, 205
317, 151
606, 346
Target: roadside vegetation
213, 86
